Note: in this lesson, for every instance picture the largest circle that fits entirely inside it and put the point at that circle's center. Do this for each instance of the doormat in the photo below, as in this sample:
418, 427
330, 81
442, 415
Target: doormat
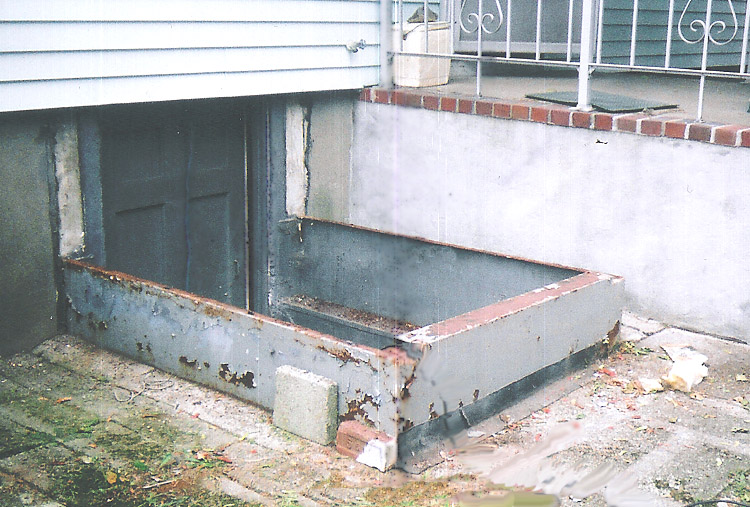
607, 102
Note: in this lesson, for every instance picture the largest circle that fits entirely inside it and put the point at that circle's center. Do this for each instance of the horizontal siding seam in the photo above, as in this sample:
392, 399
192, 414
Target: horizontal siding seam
195, 22
217, 72
183, 48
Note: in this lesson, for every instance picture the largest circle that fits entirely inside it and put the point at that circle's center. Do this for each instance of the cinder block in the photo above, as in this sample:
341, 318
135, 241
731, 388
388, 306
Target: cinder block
367, 446
306, 404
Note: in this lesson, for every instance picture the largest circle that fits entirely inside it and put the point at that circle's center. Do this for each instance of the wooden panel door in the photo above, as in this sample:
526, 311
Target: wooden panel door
173, 191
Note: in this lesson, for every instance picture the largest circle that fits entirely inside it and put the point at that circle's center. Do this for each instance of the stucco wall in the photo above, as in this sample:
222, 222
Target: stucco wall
27, 276
669, 215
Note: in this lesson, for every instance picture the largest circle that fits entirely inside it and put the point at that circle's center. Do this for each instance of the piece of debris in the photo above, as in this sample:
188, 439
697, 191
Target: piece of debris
679, 353
474, 433
688, 369
740, 430
606, 371
63, 400
650, 385
741, 378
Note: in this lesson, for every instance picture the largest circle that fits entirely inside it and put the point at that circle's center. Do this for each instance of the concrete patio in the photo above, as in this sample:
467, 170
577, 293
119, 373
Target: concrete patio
726, 100
83, 426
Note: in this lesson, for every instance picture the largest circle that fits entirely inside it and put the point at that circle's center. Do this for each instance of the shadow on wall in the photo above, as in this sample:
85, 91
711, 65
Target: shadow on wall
28, 273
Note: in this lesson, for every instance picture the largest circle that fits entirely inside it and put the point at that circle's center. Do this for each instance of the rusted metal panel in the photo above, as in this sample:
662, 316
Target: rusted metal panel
225, 347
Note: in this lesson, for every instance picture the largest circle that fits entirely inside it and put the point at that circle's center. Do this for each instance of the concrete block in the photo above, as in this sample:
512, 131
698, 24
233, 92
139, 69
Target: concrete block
306, 404
367, 446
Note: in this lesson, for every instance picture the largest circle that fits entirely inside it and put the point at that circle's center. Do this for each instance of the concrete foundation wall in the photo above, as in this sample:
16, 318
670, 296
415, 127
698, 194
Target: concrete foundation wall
27, 273
329, 150
668, 215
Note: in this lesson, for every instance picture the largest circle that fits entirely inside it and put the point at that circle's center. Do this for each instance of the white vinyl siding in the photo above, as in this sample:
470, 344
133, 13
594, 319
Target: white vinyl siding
62, 53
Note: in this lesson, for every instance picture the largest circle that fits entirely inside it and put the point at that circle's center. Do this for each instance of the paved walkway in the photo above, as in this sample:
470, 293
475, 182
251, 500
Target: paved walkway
81, 426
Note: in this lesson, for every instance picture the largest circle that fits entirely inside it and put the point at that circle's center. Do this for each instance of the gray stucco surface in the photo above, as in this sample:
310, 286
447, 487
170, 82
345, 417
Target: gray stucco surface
669, 215
27, 281
329, 148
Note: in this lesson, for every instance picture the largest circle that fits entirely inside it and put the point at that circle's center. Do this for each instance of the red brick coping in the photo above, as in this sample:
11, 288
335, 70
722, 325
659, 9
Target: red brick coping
667, 124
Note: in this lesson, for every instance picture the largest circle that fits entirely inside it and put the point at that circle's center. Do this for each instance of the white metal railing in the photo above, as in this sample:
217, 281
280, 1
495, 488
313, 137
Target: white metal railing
480, 27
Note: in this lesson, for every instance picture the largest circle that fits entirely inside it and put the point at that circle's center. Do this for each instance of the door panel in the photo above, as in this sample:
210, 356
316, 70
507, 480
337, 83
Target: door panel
173, 197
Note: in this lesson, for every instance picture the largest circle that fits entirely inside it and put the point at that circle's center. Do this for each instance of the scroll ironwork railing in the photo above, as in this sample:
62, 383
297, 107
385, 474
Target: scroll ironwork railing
700, 38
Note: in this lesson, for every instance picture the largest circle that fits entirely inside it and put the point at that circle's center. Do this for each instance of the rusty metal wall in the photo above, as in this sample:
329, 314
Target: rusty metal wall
399, 277
225, 347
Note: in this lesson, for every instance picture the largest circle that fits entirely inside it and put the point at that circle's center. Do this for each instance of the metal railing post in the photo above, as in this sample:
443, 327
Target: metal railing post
587, 39
704, 60
386, 43
480, 18
426, 27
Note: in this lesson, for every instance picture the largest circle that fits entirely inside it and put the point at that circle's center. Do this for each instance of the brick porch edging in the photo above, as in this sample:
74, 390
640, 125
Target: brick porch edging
667, 124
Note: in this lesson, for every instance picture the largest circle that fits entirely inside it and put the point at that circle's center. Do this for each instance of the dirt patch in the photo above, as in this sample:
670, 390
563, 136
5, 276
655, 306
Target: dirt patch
423, 493
373, 320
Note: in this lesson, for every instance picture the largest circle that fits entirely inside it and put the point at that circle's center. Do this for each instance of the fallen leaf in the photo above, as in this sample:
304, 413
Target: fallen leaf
63, 400
676, 403
111, 477
606, 371
225, 459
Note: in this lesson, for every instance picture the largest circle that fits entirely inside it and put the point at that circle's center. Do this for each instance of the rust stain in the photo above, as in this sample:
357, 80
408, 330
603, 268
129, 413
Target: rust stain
340, 353
96, 325
355, 409
406, 424
191, 363
246, 379
398, 355
405, 394
431, 410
